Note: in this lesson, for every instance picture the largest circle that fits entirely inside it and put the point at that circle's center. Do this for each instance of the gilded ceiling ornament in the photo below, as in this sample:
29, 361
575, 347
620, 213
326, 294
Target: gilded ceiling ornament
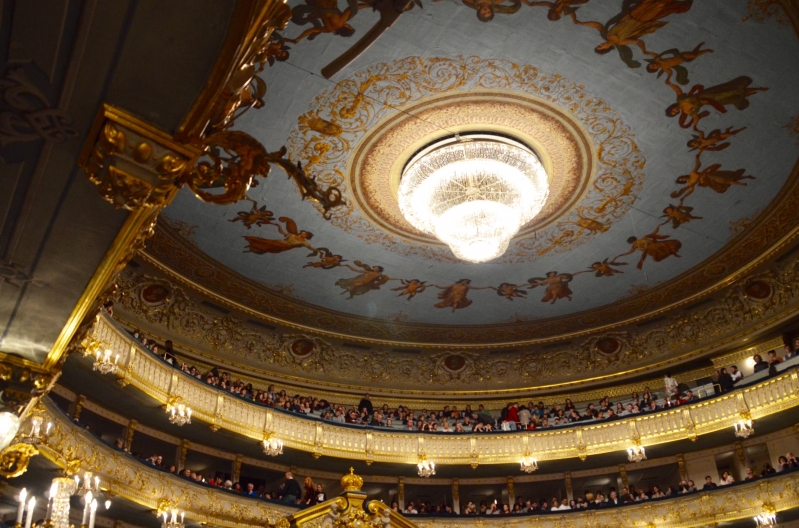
702, 328
15, 458
565, 123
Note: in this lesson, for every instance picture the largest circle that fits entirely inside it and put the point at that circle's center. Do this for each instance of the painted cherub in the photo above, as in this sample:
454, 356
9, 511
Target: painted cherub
258, 216
714, 141
454, 295
327, 260
659, 247
410, 288
293, 238
637, 19
509, 291
718, 180
486, 9
558, 8
689, 106
556, 284
671, 63
605, 268
369, 278
679, 215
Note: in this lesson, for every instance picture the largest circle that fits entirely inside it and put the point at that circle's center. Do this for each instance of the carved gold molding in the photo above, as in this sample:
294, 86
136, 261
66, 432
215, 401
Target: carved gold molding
162, 382
603, 358
74, 449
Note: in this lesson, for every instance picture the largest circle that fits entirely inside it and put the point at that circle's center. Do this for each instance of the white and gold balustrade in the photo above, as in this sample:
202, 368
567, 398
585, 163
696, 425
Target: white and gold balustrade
146, 372
77, 450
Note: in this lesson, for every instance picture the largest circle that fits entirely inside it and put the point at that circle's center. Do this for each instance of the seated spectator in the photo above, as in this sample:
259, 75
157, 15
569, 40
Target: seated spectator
726, 479
767, 470
411, 509
773, 360
750, 475
725, 380
736, 374
759, 363
783, 464
709, 484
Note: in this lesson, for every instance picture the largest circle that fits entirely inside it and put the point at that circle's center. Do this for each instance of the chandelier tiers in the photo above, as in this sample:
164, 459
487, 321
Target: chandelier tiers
767, 518
179, 413
427, 468
272, 446
473, 192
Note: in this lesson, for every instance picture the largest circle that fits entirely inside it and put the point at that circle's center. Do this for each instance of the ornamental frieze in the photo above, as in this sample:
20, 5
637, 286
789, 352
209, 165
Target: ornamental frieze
749, 305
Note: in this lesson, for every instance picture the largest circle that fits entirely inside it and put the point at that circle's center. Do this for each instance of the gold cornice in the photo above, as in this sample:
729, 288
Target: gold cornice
747, 318
348, 393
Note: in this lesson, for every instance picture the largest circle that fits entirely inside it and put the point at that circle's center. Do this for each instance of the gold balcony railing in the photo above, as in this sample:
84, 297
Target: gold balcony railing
163, 382
77, 450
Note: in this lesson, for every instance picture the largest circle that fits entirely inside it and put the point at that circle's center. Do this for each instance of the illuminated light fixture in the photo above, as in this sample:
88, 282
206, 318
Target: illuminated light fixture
427, 468
33, 433
103, 362
766, 519
173, 519
91, 484
473, 192
61, 490
528, 464
744, 428
273, 446
636, 453
179, 413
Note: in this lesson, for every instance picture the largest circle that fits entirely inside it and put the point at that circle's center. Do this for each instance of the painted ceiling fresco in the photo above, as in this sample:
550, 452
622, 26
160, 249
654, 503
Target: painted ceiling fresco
671, 126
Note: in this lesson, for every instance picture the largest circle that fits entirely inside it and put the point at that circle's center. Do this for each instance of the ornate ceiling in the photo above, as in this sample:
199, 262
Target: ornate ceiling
668, 128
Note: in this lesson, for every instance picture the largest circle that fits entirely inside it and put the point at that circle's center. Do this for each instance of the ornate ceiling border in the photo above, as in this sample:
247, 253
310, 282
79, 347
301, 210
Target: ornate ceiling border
774, 231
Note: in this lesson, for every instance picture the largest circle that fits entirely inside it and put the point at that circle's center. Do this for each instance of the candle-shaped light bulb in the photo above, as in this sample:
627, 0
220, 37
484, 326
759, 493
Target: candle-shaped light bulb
89, 497
107, 504
31, 506
93, 514
182, 515
96, 482
22, 496
77, 481
188, 411
116, 359
49, 426
51, 498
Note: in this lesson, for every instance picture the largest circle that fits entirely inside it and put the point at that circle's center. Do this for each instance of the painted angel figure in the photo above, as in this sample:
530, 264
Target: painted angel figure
410, 288
258, 216
659, 247
454, 295
556, 286
369, 278
510, 291
292, 239
327, 260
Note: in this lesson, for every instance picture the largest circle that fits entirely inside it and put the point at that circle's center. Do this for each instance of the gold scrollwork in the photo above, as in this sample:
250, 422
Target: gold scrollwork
15, 458
233, 159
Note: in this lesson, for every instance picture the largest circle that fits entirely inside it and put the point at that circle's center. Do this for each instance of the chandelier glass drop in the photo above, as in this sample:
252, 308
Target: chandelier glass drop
473, 192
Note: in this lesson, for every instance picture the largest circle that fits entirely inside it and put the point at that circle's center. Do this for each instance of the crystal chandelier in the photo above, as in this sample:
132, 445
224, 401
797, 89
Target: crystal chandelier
173, 519
473, 193
528, 464
273, 446
636, 453
744, 428
104, 364
179, 413
61, 490
427, 468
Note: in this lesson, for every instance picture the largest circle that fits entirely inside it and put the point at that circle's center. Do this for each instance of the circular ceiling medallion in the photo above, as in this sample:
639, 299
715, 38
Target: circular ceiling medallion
608, 345
302, 347
454, 363
361, 144
376, 165
758, 290
155, 294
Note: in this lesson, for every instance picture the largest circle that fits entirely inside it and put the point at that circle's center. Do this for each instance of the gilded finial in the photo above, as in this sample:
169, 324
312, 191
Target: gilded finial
351, 482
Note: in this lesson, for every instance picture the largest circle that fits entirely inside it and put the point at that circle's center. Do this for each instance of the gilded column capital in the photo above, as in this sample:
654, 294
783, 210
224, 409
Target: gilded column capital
134, 164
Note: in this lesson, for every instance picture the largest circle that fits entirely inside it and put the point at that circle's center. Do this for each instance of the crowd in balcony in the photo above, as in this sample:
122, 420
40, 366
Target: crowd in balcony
451, 419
